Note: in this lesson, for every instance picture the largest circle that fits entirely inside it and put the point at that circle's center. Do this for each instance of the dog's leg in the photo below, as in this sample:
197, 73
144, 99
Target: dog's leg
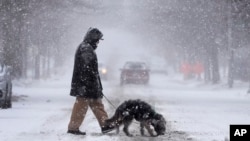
125, 128
117, 129
150, 131
118, 123
142, 128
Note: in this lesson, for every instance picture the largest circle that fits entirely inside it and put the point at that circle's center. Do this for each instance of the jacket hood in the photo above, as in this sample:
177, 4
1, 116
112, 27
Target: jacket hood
93, 35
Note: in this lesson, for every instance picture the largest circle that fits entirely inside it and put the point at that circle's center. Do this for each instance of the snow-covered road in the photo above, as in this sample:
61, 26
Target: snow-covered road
203, 112
193, 111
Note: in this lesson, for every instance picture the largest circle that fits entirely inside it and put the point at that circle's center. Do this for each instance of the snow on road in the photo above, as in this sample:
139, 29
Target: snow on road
194, 111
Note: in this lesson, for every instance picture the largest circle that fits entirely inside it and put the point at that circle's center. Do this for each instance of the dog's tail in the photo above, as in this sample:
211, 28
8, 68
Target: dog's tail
116, 119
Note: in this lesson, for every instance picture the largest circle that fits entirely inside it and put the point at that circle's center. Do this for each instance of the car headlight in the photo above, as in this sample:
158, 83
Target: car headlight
104, 71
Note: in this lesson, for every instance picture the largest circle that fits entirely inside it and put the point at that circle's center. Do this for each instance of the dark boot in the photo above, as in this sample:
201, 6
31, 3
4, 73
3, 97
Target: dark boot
107, 129
77, 132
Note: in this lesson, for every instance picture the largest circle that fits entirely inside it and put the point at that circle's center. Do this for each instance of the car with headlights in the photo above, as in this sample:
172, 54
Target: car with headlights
134, 72
5, 87
103, 71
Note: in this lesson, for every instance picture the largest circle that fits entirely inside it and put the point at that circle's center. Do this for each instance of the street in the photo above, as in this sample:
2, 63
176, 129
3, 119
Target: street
193, 111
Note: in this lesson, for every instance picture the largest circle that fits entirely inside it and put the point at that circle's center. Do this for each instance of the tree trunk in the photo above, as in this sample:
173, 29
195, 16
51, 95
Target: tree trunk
44, 66
230, 70
207, 67
48, 63
6, 29
37, 66
215, 65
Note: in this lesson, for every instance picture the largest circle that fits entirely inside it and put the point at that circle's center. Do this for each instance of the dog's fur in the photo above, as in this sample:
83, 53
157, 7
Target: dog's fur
140, 111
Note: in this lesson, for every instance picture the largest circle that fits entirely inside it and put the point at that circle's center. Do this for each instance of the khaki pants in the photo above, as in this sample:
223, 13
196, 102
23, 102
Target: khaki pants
80, 109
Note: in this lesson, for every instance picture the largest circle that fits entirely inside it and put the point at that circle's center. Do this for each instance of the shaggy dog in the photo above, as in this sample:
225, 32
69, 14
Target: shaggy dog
140, 111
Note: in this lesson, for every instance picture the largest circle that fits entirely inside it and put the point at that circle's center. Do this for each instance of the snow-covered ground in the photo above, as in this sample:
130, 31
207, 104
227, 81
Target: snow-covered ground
194, 111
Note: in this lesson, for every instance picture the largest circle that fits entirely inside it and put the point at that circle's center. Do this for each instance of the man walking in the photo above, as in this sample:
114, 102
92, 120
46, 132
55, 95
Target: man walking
86, 84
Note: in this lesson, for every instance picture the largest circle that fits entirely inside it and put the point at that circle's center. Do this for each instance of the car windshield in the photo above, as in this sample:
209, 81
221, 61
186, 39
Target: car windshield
135, 66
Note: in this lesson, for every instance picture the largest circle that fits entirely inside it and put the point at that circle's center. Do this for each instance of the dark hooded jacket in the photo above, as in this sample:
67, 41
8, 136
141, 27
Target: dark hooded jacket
86, 80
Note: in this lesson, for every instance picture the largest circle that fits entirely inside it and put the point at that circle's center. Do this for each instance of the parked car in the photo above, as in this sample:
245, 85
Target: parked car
103, 71
134, 72
5, 87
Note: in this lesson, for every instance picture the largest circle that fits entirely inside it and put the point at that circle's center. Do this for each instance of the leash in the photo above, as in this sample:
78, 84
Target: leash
109, 101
